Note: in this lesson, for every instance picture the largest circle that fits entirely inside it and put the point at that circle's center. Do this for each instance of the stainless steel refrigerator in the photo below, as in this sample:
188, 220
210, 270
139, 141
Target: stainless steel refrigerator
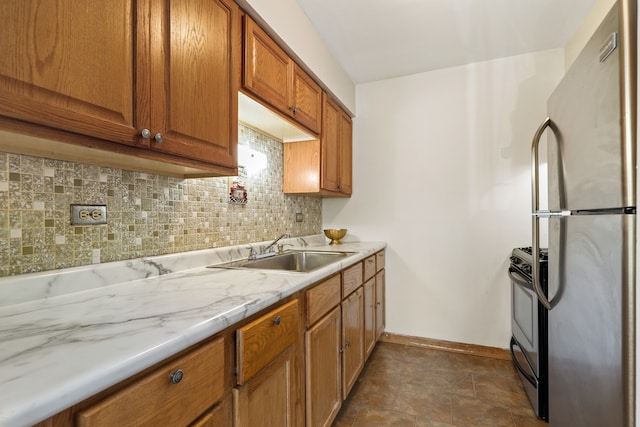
591, 149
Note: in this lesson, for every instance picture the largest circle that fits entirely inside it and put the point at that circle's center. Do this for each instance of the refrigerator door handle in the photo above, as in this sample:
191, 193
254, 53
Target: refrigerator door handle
551, 214
535, 206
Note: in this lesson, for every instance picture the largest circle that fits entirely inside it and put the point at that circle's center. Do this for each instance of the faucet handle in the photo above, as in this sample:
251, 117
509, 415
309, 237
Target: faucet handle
252, 252
282, 245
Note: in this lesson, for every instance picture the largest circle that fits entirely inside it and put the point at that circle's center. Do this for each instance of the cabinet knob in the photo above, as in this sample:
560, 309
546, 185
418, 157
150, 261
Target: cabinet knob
276, 321
177, 376
347, 344
340, 187
158, 137
293, 109
341, 350
145, 133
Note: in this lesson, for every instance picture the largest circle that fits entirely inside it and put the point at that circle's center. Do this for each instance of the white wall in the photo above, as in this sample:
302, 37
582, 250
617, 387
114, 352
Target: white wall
442, 173
291, 24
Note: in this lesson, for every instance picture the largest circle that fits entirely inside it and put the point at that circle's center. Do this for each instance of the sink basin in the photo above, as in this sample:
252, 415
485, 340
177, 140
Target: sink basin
297, 261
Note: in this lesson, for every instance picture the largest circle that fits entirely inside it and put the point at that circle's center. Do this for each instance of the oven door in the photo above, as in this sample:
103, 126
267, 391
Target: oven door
524, 323
528, 350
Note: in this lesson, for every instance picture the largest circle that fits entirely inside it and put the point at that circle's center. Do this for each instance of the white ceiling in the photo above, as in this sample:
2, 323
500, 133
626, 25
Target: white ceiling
379, 39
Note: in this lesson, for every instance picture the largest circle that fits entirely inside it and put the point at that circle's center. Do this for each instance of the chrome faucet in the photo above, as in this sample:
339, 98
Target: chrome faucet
266, 251
269, 247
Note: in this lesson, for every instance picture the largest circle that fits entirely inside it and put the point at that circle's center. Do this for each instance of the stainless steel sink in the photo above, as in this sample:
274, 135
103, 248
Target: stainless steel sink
298, 261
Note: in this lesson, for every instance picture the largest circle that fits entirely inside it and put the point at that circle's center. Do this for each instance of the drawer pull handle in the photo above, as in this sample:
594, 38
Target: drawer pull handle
276, 321
177, 376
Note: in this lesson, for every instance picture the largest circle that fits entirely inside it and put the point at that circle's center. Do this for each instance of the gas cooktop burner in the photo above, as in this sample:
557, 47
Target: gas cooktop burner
544, 253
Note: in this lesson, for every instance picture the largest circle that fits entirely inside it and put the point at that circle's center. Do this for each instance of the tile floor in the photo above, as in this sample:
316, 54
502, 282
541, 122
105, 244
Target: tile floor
411, 386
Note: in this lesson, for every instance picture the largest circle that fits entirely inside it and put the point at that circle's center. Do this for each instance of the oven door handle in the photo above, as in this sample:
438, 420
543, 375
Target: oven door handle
516, 362
519, 279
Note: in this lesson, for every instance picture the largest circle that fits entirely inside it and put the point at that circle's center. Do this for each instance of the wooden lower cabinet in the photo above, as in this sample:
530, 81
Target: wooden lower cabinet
269, 398
380, 303
352, 339
370, 336
174, 394
286, 375
269, 391
221, 415
324, 370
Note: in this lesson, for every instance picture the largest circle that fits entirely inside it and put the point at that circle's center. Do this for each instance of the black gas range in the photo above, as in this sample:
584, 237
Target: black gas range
522, 260
529, 328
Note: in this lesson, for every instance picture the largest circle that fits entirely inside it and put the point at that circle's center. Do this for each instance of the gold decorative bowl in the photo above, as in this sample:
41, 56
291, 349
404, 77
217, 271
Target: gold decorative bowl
335, 234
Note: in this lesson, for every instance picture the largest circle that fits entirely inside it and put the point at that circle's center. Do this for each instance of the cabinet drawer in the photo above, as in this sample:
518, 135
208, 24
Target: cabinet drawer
156, 400
369, 267
351, 279
219, 415
379, 260
262, 340
322, 298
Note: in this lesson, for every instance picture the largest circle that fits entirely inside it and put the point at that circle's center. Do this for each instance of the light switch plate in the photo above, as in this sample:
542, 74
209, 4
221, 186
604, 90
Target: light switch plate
88, 214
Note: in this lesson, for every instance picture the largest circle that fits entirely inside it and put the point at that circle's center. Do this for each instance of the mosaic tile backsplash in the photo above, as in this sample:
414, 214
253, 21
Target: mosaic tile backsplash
147, 214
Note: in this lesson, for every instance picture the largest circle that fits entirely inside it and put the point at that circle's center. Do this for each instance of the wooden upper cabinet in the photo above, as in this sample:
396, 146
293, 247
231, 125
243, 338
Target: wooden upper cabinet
194, 93
271, 75
322, 166
267, 68
70, 65
97, 74
345, 156
306, 100
336, 141
330, 142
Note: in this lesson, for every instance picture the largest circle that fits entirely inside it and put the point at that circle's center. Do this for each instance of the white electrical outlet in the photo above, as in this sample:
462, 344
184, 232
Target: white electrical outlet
88, 214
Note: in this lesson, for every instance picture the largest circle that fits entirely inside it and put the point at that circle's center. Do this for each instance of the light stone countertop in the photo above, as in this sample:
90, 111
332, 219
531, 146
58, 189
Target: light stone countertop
65, 335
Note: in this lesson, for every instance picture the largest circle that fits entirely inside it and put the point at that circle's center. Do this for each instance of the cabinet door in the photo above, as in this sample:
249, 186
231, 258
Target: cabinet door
369, 317
352, 340
306, 100
345, 154
70, 65
380, 309
194, 96
267, 68
330, 139
324, 371
269, 398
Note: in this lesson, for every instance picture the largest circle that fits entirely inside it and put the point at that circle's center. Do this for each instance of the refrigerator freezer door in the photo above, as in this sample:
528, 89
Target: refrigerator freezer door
584, 148
586, 279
